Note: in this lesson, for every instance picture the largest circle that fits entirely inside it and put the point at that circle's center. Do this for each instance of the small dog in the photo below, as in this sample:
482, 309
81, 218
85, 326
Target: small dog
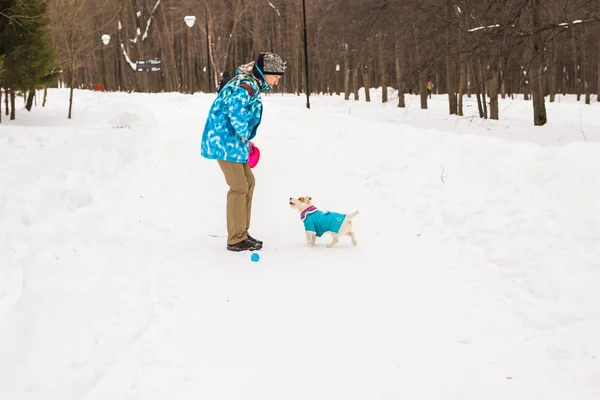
316, 222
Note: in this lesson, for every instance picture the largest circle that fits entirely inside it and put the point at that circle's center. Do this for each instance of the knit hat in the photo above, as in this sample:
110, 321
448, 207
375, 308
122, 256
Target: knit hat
271, 64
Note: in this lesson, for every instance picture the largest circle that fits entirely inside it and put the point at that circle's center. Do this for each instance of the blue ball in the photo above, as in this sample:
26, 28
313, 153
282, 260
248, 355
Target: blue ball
255, 257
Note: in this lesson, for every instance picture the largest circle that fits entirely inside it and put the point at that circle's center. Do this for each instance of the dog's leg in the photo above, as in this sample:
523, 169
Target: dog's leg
351, 234
334, 239
310, 238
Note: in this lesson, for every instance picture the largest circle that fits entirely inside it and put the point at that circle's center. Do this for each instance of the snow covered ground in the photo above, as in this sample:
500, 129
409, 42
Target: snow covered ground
476, 274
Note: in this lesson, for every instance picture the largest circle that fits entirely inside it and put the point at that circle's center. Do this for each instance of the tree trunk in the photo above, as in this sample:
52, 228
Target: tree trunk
562, 83
346, 76
367, 84
384, 69
576, 66
586, 66
422, 72
213, 66
552, 84
461, 89
123, 84
475, 76
12, 104
598, 72
479, 105
450, 81
355, 81
400, 80
0, 104
452, 100
173, 72
508, 80
552, 73
539, 108
338, 82
423, 89
30, 97
526, 82
493, 92
483, 89
45, 96
469, 72
501, 77
71, 88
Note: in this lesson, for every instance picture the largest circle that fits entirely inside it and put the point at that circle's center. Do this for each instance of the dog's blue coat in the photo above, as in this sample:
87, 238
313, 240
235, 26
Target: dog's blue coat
321, 222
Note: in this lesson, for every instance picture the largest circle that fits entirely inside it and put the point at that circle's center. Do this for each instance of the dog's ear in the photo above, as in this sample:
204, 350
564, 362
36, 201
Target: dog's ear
309, 198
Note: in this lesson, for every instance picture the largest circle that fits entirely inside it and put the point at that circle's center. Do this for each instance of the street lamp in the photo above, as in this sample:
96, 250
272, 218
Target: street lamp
189, 20
106, 41
306, 57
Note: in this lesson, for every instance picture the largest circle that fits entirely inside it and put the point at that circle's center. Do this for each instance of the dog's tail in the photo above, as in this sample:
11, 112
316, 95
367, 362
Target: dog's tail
352, 215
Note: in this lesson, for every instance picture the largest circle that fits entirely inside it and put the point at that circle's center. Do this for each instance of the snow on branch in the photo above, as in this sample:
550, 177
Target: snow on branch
476, 29
131, 64
150, 20
138, 33
148, 23
274, 8
484, 27
543, 28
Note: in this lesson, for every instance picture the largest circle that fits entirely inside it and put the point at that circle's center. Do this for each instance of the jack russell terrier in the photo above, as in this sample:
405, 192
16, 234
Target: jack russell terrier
317, 222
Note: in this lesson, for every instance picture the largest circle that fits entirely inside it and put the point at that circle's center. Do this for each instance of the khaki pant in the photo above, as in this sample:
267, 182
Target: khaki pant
240, 179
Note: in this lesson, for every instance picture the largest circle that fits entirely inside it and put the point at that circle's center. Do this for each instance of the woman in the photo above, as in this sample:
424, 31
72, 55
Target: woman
232, 123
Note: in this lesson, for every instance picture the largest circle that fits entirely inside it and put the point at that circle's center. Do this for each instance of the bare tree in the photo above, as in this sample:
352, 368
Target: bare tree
487, 47
75, 36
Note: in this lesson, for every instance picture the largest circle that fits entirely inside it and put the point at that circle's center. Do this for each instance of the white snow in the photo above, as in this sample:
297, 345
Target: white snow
475, 276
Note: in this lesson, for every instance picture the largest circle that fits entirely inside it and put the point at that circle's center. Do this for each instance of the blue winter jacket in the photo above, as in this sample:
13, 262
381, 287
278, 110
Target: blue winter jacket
235, 114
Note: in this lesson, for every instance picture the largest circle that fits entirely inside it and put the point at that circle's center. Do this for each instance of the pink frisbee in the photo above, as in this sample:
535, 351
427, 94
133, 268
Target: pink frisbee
254, 156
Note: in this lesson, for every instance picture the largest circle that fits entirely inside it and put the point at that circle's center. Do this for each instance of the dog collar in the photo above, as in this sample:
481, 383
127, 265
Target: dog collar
308, 210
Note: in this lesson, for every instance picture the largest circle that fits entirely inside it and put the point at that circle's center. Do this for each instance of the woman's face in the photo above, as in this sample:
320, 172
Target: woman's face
272, 80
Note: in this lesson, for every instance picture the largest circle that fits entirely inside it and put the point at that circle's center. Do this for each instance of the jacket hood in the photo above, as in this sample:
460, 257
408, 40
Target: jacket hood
253, 72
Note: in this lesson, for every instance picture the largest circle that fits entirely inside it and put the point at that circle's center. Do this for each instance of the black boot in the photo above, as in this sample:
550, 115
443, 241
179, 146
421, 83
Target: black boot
244, 245
255, 240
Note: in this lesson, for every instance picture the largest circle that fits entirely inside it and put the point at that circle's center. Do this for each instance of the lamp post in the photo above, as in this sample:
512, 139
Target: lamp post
306, 56
337, 79
189, 21
106, 41
211, 88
